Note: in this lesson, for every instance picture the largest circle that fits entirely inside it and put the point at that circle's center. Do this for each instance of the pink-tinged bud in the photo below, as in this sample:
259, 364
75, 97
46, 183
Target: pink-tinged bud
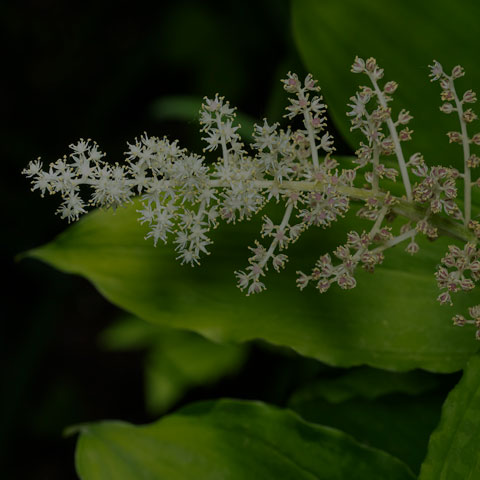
469, 97
404, 117
416, 159
390, 87
439, 172
436, 71
444, 298
279, 261
366, 93
447, 96
342, 252
453, 287
445, 84
436, 206
324, 260
474, 311
421, 170
412, 248
346, 281
450, 189
371, 64
474, 266
454, 250
291, 84
405, 134
353, 238
349, 175
385, 233
310, 83
469, 115
454, 137
358, 65
467, 284
458, 72
459, 320
469, 249
302, 280
476, 139
441, 274
391, 174
449, 260
323, 285
447, 108
378, 73
316, 274
388, 145
405, 228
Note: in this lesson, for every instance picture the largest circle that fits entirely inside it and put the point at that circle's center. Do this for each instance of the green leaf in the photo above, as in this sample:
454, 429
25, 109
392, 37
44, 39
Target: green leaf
231, 440
396, 412
176, 361
453, 448
390, 320
185, 108
404, 38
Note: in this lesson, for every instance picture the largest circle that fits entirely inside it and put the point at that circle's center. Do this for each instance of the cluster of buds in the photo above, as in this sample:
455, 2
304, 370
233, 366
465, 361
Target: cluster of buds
459, 271
295, 156
183, 196
355, 252
474, 314
375, 122
438, 189
453, 103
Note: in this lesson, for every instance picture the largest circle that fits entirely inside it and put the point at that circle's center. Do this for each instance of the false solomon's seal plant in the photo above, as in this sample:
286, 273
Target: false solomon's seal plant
184, 197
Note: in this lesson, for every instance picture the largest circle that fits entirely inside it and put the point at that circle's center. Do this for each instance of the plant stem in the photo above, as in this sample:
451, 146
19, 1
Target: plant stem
396, 141
466, 156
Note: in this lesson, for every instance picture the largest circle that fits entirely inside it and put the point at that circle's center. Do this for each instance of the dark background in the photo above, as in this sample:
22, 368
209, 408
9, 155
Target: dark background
94, 70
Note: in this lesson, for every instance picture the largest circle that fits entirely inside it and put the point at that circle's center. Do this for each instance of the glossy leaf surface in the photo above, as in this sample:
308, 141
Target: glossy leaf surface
231, 440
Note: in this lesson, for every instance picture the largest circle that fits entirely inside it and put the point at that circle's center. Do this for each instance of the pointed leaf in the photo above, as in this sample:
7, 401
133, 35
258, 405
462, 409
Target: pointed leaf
231, 440
453, 448
390, 320
396, 412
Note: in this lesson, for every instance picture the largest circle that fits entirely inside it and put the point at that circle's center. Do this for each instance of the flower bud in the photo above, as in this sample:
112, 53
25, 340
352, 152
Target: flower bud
447, 108
469, 97
390, 87
454, 137
358, 65
458, 72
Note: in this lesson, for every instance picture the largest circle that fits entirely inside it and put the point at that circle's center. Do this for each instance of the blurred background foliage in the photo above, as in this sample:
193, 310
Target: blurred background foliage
110, 71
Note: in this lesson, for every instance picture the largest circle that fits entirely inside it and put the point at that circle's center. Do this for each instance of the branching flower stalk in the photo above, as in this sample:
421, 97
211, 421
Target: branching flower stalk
183, 197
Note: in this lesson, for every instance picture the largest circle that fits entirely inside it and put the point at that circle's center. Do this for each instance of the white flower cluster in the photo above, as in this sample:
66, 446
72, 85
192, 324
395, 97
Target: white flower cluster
184, 196
84, 166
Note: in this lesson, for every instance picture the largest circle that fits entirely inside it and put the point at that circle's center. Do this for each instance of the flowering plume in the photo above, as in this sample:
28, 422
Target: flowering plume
183, 197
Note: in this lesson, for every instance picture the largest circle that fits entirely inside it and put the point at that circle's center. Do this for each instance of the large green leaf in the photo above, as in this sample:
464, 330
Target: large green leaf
453, 449
229, 440
390, 320
404, 36
176, 360
396, 412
